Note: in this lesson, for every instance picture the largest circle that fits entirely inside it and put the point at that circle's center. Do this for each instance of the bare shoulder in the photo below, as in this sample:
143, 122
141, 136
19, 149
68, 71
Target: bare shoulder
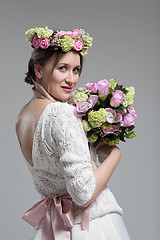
30, 113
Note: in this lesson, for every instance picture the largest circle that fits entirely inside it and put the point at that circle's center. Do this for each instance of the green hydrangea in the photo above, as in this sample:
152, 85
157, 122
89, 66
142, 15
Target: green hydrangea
114, 141
129, 97
103, 113
43, 32
80, 96
93, 138
96, 118
111, 142
86, 125
30, 34
83, 52
87, 41
67, 43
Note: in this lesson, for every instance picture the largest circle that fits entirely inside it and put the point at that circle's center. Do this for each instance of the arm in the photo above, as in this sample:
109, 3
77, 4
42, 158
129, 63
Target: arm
103, 173
82, 182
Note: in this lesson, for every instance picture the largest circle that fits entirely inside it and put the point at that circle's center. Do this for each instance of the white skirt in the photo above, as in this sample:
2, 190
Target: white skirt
108, 227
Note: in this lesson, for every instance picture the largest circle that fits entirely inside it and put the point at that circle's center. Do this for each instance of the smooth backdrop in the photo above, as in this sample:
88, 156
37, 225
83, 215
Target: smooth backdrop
126, 47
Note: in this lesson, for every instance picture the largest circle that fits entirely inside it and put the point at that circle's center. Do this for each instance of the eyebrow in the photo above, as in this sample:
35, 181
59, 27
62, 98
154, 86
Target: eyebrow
67, 64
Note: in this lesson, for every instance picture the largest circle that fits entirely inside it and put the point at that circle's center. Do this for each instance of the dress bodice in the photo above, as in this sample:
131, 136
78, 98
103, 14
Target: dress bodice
61, 159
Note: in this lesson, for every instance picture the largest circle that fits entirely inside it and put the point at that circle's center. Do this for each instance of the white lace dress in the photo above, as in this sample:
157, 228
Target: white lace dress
61, 159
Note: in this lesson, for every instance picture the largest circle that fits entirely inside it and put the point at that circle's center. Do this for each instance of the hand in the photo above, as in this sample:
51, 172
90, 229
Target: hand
104, 151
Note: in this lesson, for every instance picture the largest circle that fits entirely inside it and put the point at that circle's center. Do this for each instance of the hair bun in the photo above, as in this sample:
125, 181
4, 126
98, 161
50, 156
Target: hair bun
28, 79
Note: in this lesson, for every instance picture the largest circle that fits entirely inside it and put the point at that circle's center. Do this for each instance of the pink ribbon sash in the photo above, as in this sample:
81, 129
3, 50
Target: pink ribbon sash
56, 214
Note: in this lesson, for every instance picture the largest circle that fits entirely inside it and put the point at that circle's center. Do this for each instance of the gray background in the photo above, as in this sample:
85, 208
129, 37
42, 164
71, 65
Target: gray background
126, 35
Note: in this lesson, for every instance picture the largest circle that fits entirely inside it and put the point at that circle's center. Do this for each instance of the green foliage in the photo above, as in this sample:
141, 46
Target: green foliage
131, 135
120, 87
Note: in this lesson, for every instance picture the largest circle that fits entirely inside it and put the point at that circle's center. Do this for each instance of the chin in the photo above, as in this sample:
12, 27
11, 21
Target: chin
64, 98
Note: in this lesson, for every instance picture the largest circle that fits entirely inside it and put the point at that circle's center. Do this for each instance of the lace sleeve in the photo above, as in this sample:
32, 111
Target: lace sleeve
74, 156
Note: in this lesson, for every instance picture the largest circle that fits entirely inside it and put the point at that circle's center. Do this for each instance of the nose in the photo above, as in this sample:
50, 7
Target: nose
70, 79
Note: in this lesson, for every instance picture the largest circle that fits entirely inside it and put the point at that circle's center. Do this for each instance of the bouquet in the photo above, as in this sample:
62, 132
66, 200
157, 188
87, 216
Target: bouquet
106, 111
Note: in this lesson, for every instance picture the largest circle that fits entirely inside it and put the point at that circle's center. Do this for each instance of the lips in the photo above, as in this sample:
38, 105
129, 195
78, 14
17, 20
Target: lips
67, 88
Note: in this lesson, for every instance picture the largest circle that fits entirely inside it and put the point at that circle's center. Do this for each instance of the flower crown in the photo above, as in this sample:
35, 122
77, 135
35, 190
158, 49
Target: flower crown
45, 38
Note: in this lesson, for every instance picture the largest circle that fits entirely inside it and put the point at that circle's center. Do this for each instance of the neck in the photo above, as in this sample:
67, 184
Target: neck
40, 92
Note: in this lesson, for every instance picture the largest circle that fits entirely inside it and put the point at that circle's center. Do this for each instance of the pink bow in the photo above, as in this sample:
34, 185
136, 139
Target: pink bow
56, 214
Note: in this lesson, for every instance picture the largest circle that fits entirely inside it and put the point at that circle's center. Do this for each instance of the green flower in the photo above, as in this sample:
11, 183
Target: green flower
114, 141
92, 138
96, 118
103, 113
83, 52
87, 41
129, 97
86, 125
67, 43
30, 34
111, 142
43, 32
80, 96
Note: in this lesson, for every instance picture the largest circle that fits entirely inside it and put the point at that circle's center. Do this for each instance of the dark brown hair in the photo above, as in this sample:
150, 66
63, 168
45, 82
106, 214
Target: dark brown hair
41, 56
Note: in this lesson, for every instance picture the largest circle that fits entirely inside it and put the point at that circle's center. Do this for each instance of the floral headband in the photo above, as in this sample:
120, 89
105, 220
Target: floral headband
45, 38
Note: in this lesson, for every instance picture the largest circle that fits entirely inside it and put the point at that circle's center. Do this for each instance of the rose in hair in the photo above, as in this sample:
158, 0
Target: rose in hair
78, 45
35, 42
76, 32
44, 42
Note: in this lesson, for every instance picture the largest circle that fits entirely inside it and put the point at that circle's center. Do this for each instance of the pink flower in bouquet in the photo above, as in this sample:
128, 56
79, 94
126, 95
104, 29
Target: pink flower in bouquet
103, 87
92, 86
117, 98
127, 120
82, 107
124, 111
35, 42
69, 33
107, 129
132, 111
78, 45
62, 33
44, 43
76, 32
113, 116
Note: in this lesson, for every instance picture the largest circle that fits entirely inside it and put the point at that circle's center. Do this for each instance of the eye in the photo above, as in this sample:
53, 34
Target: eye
62, 68
76, 70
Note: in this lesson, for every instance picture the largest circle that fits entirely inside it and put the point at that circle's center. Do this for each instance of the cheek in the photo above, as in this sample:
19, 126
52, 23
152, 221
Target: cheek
77, 78
57, 77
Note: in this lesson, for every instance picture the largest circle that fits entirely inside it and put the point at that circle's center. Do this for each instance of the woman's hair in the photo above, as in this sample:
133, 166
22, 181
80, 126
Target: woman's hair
41, 56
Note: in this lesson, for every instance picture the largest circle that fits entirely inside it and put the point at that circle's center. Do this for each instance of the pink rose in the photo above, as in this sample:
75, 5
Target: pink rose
76, 32
113, 116
62, 33
127, 120
103, 87
35, 42
92, 86
82, 107
117, 97
44, 42
78, 45
69, 33
110, 129
124, 111
132, 111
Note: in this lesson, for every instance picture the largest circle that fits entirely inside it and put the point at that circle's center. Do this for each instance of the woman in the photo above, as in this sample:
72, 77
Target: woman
76, 202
